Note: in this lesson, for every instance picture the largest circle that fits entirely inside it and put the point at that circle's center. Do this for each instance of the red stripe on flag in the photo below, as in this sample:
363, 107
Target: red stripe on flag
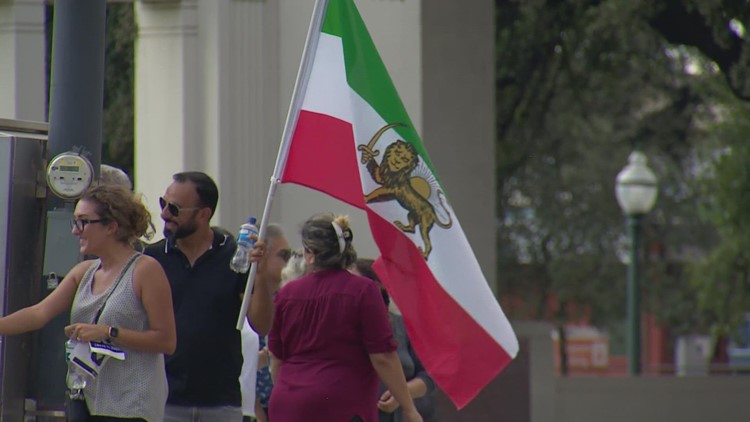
457, 352
322, 157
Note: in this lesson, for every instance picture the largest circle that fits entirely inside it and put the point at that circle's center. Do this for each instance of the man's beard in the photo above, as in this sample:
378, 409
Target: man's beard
183, 230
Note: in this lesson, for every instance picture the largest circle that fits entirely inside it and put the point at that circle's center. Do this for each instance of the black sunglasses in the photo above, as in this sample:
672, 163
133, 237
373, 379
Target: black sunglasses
81, 223
287, 254
173, 208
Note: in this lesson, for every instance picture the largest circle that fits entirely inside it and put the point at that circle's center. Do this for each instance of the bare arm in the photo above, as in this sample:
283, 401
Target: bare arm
260, 311
388, 367
275, 365
37, 316
417, 388
151, 285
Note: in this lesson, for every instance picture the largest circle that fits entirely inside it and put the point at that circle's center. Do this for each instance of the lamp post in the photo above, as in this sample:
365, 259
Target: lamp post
636, 191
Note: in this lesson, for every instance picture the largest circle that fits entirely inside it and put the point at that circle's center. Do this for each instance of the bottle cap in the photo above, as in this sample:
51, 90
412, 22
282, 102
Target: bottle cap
251, 220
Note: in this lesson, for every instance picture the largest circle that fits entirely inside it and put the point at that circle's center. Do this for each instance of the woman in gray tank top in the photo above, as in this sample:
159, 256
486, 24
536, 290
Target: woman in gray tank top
121, 298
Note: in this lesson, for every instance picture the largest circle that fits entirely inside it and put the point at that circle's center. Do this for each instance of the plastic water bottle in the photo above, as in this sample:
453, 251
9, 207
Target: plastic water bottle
245, 240
77, 378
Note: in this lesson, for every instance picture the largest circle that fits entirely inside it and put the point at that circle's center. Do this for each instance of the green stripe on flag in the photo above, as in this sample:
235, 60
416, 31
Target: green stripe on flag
366, 73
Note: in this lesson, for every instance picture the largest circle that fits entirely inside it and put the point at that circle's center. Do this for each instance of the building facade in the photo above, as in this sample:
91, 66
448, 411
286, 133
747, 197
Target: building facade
214, 79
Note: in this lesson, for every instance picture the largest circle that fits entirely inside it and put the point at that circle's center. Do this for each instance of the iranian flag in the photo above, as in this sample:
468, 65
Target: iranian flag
348, 135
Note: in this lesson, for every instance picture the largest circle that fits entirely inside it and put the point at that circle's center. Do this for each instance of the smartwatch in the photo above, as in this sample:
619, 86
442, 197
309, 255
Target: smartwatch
113, 332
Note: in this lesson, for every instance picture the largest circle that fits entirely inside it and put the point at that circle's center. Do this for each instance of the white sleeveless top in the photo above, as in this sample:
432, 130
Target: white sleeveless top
137, 386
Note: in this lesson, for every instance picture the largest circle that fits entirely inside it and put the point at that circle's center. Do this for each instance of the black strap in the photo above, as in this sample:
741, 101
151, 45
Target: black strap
112, 290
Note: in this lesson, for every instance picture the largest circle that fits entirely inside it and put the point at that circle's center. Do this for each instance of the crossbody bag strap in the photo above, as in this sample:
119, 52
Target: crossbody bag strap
117, 282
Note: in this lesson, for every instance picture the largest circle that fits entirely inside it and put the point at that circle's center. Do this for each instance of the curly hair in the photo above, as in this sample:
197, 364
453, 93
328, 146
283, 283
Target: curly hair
320, 237
118, 204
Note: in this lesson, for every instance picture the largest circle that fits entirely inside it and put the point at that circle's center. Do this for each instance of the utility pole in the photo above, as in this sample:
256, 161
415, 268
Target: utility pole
75, 124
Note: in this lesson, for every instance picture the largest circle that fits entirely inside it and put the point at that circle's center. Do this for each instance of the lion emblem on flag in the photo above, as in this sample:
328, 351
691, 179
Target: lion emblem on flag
404, 178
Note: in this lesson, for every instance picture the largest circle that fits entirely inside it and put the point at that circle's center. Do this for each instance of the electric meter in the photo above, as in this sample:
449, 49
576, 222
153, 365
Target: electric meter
69, 174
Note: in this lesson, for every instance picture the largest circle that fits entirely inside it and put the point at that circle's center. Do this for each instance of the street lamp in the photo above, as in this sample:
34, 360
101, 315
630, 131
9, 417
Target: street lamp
636, 191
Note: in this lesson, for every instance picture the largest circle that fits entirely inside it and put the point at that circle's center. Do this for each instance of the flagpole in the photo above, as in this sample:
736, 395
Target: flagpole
300, 86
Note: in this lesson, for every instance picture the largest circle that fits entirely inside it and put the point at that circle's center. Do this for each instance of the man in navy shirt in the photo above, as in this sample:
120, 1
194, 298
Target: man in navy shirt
207, 296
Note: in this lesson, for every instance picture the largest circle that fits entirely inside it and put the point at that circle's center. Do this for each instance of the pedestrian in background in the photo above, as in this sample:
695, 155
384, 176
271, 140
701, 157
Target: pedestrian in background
420, 384
271, 256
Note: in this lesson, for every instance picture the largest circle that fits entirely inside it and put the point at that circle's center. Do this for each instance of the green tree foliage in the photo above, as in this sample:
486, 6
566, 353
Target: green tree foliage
722, 278
579, 84
118, 124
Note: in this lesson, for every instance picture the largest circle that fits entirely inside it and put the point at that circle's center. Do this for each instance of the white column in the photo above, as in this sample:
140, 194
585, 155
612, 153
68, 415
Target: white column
458, 70
207, 99
242, 130
22, 65
168, 96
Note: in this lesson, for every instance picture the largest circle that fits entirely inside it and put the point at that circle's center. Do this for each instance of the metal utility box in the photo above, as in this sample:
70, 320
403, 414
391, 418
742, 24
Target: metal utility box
22, 222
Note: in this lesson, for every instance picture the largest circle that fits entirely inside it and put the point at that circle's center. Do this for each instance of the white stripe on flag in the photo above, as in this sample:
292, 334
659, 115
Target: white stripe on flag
328, 93
327, 90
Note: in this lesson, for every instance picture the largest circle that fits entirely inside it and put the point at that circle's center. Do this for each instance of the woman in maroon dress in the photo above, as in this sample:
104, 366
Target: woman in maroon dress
331, 338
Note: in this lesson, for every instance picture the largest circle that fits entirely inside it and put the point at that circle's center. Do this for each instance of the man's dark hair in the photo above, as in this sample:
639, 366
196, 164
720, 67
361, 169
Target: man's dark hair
208, 192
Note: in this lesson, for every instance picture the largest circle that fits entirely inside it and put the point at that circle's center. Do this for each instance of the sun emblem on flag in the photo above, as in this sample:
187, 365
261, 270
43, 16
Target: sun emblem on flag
403, 177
